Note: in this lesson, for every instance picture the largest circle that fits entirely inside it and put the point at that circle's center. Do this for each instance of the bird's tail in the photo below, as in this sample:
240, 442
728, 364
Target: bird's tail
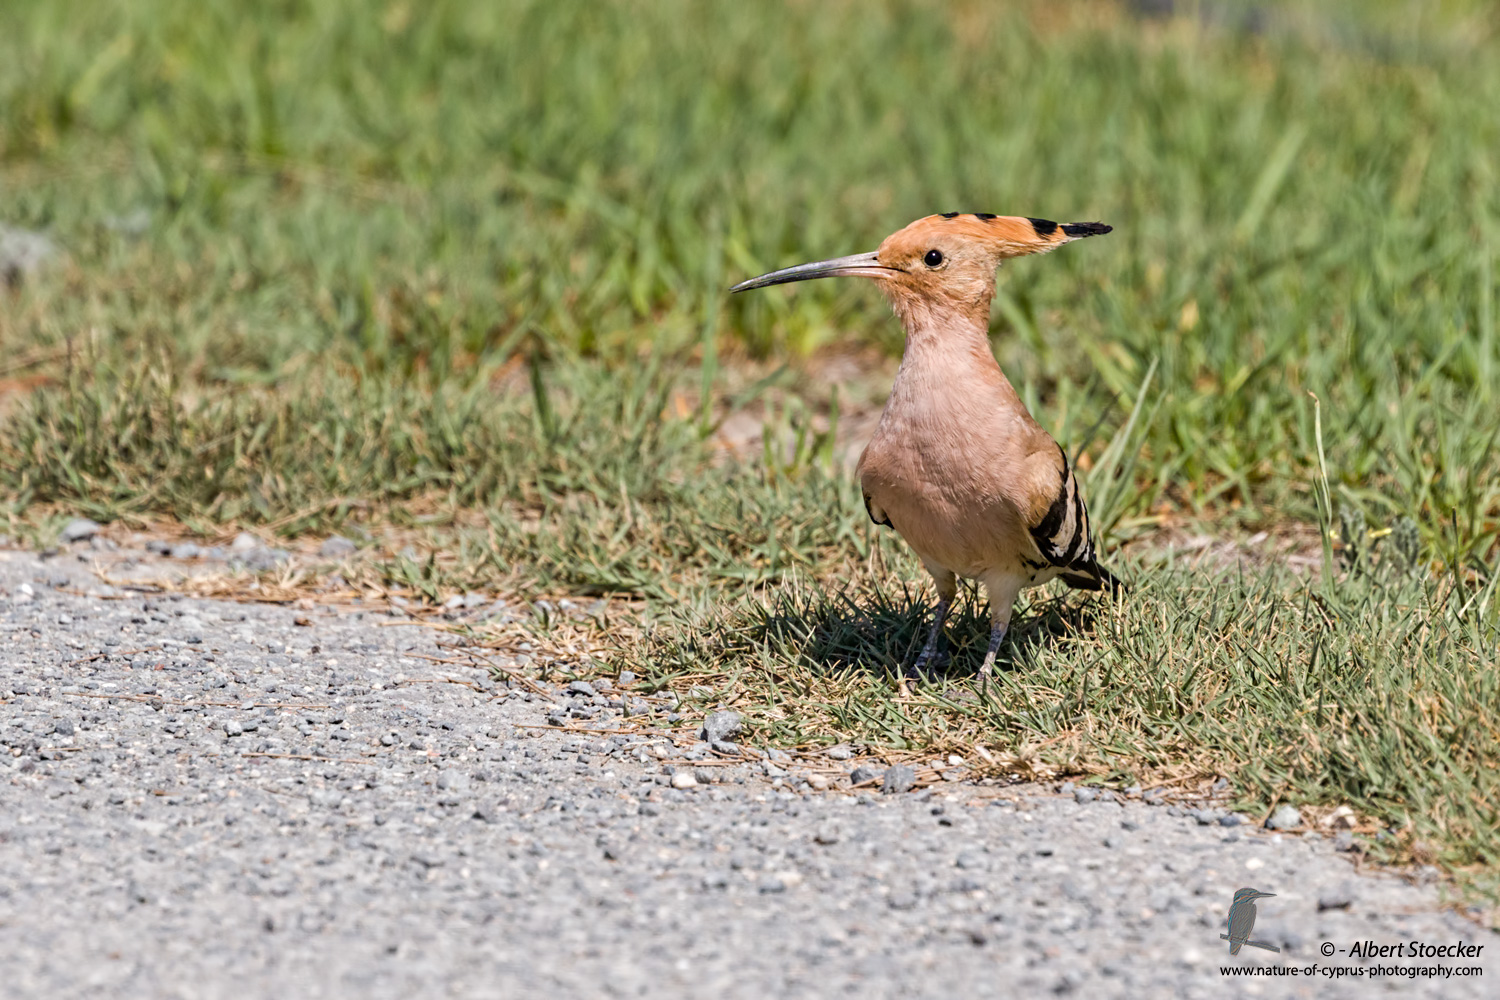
1235, 946
1113, 583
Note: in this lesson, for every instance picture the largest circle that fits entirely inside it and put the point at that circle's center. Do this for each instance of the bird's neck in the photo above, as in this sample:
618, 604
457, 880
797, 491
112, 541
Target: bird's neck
947, 351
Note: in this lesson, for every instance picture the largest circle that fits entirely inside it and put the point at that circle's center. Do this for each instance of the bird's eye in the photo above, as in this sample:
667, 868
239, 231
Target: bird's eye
933, 258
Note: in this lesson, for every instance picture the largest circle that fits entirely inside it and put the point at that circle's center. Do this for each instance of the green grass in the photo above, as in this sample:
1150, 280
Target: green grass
462, 267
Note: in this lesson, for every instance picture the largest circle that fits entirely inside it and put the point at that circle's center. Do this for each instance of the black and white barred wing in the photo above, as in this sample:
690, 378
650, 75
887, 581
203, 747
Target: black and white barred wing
1063, 537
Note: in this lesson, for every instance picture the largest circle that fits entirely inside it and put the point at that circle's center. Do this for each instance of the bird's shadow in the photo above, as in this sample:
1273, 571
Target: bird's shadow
882, 633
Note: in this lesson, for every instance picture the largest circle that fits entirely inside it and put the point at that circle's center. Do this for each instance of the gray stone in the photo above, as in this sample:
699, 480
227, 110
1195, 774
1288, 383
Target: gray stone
1231, 819
186, 550
1206, 817
80, 529
720, 727
337, 547
839, 753
898, 778
862, 774
243, 542
581, 687
1340, 897
133, 223
23, 253
261, 560
1285, 818
1085, 795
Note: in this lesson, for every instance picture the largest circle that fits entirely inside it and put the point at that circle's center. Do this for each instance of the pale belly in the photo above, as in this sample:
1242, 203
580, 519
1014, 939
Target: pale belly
951, 518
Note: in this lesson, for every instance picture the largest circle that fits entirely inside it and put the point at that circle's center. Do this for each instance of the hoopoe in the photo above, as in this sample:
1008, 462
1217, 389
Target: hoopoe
957, 465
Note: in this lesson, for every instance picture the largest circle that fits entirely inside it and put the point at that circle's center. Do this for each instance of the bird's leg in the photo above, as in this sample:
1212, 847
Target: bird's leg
930, 654
1002, 591
997, 635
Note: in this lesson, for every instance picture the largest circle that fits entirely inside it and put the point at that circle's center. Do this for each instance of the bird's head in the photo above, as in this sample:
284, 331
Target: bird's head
1250, 895
941, 264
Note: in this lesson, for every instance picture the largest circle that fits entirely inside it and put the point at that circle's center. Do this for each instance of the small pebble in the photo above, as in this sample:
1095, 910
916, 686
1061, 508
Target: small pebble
1339, 897
721, 726
1285, 818
80, 529
898, 778
336, 547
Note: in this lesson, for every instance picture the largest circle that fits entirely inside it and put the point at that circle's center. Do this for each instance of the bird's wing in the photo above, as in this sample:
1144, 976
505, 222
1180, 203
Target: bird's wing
1059, 522
1241, 923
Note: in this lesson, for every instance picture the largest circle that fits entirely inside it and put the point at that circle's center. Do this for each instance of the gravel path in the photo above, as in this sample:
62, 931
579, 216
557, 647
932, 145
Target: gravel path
441, 849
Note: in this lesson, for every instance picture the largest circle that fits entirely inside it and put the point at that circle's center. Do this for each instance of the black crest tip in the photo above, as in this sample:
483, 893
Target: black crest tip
1078, 230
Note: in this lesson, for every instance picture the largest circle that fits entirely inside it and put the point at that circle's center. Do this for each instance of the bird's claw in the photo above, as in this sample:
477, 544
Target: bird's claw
929, 660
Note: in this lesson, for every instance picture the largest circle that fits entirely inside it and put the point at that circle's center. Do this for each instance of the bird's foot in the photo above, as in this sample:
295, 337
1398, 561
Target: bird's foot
930, 661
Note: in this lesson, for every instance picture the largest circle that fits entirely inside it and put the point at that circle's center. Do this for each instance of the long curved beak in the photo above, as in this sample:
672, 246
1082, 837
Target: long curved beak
860, 265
